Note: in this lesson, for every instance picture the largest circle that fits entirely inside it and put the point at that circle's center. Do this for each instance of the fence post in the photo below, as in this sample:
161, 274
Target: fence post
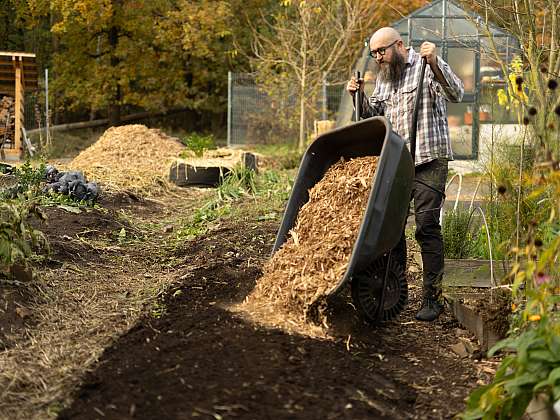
229, 106
47, 138
324, 107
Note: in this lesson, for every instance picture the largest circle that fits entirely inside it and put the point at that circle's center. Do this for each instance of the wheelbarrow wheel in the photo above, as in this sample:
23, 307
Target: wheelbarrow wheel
366, 291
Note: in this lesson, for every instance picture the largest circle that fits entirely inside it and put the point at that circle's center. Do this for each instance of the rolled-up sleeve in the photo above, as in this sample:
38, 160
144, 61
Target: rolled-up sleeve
454, 90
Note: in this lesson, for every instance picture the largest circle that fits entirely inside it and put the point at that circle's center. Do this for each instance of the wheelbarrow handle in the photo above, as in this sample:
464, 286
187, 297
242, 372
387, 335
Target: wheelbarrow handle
417, 105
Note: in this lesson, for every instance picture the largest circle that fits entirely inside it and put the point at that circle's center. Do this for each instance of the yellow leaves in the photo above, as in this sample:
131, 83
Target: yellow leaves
534, 318
503, 98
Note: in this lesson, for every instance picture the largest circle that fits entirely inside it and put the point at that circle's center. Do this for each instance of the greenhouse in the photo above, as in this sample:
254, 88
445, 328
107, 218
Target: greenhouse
469, 46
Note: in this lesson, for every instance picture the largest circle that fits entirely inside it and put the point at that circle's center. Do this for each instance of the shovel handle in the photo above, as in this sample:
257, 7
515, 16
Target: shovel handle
417, 105
358, 99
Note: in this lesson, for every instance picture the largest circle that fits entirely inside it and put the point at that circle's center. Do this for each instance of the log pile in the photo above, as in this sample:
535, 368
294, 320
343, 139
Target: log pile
7, 121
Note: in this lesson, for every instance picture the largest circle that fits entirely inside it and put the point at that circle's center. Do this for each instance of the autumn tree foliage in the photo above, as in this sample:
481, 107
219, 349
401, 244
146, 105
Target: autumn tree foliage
148, 54
153, 54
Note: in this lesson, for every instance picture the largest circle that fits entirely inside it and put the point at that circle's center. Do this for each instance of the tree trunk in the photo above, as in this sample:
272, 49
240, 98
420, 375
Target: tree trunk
303, 81
301, 142
114, 111
114, 115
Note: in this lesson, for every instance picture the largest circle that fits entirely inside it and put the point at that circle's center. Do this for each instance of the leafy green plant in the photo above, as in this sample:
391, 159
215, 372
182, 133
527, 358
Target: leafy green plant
28, 181
240, 181
198, 143
202, 216
18, 239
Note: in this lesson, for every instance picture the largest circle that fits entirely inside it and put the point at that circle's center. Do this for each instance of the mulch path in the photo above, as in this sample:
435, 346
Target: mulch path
194, 358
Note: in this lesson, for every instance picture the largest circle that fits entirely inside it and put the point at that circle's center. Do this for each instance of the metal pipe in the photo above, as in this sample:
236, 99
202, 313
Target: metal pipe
48, 142
229, 106
460, 177
492, 279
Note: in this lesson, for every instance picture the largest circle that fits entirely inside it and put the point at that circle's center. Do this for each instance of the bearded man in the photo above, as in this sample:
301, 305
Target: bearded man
398, 74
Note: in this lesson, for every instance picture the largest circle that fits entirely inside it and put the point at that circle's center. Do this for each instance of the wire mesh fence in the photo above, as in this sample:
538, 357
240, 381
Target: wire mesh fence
34, 111
255, 117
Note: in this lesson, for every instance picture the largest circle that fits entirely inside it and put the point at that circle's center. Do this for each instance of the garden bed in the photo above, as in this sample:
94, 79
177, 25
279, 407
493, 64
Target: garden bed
484, 312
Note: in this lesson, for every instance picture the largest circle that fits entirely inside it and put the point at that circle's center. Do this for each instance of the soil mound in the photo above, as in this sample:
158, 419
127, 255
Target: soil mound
130, 157
315, 256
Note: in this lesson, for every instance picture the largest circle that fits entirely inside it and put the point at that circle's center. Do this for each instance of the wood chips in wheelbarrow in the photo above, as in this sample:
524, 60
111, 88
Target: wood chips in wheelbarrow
315, 257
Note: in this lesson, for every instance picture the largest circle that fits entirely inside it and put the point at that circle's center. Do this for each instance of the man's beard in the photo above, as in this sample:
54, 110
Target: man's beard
391, 72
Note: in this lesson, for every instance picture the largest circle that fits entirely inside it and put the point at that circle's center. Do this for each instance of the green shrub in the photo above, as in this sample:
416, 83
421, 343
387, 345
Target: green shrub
198, 143
456, 232
18, 240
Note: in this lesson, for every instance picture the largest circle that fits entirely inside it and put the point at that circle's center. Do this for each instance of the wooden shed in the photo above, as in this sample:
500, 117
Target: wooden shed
18, 74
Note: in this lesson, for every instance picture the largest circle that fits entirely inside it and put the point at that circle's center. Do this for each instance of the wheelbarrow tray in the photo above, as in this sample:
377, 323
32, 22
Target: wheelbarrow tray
387, 207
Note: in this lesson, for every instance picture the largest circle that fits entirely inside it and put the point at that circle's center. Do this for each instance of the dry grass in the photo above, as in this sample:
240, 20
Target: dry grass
316, 255
130, 157
81, 313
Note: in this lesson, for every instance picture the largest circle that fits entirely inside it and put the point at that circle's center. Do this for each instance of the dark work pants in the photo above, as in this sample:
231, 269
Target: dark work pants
428, 193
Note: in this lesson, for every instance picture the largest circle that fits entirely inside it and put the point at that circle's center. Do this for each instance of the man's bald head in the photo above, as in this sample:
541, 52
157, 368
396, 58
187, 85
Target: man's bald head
384, 36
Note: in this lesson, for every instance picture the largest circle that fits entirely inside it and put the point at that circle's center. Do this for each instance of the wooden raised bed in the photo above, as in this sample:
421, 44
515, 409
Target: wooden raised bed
467, 289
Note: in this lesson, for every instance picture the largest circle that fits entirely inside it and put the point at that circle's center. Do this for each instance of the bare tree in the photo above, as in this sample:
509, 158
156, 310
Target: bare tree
308, 39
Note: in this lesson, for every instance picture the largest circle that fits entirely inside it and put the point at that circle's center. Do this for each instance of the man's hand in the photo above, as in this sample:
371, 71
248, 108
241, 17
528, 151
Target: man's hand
353, 85
428, 50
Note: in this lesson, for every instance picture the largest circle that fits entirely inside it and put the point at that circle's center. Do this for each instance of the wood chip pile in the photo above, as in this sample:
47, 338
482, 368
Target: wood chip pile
315, 257
130, 157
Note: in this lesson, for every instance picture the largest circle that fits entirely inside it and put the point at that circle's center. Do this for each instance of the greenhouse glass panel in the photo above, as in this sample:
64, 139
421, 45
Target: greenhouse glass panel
461, 28
462, 61
491, 67
402, 26
426, 29
436, 9
460, 121
454, 11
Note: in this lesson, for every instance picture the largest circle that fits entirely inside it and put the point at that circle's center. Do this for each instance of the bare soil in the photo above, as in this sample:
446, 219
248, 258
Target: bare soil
199, 360
189, 356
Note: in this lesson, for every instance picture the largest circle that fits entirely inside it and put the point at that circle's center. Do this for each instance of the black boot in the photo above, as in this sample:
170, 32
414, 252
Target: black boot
430, 311
432, 305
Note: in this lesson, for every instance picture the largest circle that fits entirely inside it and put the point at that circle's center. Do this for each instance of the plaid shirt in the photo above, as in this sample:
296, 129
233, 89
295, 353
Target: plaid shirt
396, 102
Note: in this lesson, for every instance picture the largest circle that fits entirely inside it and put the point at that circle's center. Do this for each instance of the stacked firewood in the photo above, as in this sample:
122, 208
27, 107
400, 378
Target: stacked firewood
7, 121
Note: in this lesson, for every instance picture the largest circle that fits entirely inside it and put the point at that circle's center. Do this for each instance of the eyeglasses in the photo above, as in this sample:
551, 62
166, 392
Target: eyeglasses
381, 51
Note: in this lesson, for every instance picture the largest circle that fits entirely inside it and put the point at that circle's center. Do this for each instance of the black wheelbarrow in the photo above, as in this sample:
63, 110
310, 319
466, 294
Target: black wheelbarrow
379, 287
378, 282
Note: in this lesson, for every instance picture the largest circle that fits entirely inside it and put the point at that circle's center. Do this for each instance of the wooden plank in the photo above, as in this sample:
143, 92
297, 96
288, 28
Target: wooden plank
11, 154
11, 75
16, 54
473, 321
19, 106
